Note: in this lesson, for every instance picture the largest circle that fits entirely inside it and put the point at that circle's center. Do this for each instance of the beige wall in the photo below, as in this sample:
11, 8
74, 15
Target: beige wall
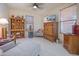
3, 10
78, 13
37, 18
40, 14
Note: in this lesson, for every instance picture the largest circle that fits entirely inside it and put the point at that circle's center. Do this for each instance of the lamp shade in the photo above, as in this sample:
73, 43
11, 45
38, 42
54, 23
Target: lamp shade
3, 21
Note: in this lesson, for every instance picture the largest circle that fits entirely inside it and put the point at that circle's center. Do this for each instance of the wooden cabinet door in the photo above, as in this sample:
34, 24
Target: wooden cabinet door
66, 41
50, 31
71, 43
4, 33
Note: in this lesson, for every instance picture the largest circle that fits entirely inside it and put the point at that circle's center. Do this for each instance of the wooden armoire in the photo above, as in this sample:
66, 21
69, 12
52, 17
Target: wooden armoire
17, 26
50, 31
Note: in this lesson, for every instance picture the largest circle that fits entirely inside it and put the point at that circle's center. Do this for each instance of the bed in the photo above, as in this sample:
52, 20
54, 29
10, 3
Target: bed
2, 42
27, 48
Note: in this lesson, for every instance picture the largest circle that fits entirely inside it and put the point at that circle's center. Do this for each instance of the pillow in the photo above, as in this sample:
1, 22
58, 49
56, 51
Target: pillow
1, 52
7, 46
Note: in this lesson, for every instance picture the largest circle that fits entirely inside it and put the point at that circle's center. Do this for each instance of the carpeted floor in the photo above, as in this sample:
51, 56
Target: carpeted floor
47, 48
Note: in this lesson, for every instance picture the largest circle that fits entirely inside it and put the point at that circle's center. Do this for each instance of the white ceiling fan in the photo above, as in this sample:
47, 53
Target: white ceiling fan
37, 5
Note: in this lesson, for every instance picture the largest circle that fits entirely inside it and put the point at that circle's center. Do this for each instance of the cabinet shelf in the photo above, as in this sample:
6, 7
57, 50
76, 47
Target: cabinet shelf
17, 26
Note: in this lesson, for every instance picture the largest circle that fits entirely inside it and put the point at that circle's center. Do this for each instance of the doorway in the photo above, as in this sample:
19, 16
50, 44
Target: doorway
29, 26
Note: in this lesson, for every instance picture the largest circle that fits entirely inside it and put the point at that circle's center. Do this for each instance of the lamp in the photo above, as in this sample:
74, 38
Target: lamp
3, 26
3, 22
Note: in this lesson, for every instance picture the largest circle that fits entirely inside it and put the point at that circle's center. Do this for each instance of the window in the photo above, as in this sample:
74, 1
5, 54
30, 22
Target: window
68, 18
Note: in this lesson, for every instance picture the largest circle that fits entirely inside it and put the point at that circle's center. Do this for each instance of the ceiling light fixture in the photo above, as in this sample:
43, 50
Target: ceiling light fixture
35, 6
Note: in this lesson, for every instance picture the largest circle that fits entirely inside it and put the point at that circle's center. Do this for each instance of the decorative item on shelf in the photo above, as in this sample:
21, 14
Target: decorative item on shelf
75, 29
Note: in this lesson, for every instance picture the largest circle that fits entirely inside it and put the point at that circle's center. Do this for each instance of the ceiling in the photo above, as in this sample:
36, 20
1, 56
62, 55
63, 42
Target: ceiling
29, 5
24, 8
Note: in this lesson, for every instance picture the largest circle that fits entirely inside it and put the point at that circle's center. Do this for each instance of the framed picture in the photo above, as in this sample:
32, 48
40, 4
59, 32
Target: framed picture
51, 18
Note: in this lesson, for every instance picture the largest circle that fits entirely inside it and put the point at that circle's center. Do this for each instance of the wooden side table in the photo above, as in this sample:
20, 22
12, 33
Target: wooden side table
71, 43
